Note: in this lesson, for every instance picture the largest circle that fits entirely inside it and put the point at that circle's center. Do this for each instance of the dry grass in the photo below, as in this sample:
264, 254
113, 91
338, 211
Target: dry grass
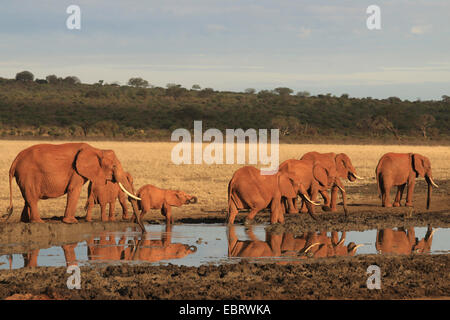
150, 163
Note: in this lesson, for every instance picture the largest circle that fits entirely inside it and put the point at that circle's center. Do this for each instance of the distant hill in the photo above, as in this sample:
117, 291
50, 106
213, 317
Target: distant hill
70, 109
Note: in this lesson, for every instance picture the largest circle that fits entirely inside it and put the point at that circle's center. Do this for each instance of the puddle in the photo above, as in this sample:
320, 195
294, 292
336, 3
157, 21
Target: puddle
197, 244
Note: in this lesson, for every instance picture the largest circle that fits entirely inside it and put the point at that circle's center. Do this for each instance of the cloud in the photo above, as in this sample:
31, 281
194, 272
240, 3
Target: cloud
216, 28
422, 29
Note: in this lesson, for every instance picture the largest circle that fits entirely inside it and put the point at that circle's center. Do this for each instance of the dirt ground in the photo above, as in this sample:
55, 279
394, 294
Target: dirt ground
402, 277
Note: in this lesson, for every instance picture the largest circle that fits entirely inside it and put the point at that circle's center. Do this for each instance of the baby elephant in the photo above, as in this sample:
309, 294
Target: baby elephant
105, 194
155, 198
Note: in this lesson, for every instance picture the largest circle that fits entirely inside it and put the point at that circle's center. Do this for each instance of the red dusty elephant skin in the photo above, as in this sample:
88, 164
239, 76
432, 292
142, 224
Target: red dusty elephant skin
49, 171
107, 194
152, 197
313, 176
249, 189
340, 163
402, 241
401, 169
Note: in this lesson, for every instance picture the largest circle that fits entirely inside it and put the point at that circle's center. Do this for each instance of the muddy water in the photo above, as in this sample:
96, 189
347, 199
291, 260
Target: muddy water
197, 244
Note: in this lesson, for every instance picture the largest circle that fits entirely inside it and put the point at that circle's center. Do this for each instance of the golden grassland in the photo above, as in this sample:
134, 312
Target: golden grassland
150, 163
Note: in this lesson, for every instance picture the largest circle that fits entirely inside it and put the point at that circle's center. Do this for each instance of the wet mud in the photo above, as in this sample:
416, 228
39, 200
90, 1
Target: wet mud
402, 277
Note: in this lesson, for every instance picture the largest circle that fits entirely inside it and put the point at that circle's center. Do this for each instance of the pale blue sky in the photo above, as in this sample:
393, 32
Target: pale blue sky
319, 46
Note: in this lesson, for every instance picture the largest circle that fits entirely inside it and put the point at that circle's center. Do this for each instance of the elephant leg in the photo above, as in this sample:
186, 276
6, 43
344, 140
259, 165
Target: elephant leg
123, 204
103, 214
304, 207
232, 213
291, 204
329, 205
410, 193
276, 212
166, 211
25, 216
34, 213
386, 195
73, 194
398, 196
89, 206
112, 211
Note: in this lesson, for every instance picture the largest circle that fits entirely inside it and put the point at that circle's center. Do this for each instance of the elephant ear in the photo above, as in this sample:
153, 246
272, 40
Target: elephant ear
321, 175
87, 165
418, 164
172, 198
286, 185
341, 164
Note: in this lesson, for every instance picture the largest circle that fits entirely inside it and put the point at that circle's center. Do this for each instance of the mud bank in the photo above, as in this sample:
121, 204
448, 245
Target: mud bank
26, 236
402, 277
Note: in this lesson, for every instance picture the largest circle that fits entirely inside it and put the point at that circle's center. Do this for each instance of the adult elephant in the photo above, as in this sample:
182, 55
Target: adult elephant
249, 189
46, 171
342, 165
401, 169
313, 176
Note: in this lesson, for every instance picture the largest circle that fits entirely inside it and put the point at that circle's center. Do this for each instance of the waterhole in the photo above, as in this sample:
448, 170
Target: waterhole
197, 244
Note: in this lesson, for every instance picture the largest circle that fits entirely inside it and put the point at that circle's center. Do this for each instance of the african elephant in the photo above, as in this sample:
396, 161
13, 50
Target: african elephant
249, 189
402, 241
340, 163
107, 194
152, 197
400, 169
314, 177
46, 171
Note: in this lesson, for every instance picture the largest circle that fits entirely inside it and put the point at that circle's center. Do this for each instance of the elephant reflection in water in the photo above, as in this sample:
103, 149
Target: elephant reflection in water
310, 244
142, 250
30, 259
402, 241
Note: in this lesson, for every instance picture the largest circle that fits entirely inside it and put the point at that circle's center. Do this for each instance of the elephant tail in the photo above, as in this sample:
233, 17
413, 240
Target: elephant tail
12, 172
378, 177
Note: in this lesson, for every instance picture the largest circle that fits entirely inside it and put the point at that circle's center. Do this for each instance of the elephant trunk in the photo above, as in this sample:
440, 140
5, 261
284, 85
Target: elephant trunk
125, 185
193, 200
430, 189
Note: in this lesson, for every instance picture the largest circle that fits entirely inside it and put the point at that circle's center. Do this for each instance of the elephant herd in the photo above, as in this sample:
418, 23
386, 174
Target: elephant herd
315, 173
46, 171
49, 171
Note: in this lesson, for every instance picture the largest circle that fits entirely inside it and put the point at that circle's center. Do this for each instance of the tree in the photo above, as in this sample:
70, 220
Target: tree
380, 123
424, 122
283, 91
303, 94
445, 98
71, 80
250, 91
24, 76
196, 87
175, 90
138, 83
286, 125
52, 79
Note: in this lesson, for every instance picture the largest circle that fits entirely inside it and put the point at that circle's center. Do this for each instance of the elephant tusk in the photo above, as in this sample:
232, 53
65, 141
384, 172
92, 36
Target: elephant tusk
340, 242
311, 246
357, 177
434, 184
342, 190
310, 201
129, 194
357, 246
432, 232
